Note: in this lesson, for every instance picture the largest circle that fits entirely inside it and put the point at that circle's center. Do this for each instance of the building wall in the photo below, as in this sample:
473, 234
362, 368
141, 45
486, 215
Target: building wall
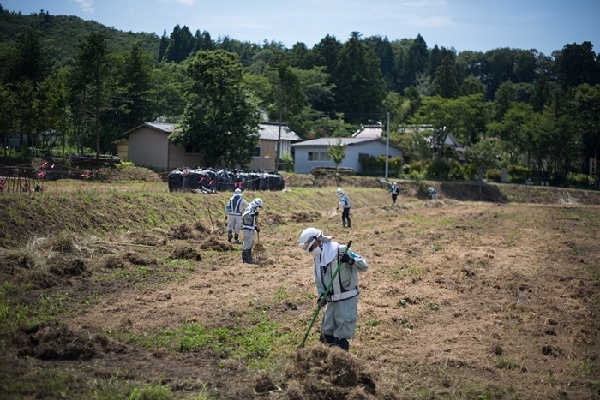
148, 147
179, 158
151, 148
123, 150
373, 148
268, 150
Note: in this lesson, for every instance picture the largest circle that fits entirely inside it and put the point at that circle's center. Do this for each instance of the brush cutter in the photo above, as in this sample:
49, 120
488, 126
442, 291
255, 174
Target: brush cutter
316, 313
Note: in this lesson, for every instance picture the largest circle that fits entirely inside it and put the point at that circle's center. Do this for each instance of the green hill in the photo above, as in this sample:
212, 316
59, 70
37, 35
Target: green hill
60, 34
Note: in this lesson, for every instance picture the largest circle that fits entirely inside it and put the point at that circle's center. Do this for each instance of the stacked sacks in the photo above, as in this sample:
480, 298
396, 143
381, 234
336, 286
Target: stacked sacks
212, 181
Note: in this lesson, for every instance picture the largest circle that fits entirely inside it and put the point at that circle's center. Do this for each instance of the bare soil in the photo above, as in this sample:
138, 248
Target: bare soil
473, 296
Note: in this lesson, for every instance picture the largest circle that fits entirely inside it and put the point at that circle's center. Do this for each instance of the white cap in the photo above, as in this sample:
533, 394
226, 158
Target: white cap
237, 191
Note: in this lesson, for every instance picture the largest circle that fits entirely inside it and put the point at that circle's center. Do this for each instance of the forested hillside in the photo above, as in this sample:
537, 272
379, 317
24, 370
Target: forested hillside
70, 85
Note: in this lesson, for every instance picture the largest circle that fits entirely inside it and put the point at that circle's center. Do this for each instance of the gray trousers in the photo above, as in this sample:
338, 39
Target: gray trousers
339, 319
248, 239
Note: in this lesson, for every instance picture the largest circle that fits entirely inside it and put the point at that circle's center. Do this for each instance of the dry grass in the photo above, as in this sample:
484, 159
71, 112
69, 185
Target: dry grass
106, 292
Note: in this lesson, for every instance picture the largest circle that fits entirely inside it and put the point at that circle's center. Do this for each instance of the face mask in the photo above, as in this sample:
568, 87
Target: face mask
316, 251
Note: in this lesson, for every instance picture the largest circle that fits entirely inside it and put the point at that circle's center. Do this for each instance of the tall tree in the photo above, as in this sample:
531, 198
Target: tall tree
288, 99
383, 49
577, 64
326, 53
7, 118
220, 118
360, 88
135, 80
162, 46
29, 62
445, 79
415, 62
92, 64
484, 155
181, 44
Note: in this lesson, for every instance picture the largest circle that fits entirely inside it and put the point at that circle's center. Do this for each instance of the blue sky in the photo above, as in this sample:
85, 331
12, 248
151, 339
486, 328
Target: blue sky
478, 25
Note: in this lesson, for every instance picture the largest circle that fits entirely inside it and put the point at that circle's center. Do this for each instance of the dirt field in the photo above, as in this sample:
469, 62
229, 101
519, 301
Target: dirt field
125, 291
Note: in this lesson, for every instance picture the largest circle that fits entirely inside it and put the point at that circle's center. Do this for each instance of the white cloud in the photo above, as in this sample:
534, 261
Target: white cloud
86, 5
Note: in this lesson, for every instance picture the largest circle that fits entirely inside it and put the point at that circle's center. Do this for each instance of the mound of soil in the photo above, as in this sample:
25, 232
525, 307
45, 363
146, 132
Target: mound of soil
54, 341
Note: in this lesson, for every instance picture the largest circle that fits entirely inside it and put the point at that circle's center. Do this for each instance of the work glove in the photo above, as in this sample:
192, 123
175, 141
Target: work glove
257, 229
347, 259
322, 301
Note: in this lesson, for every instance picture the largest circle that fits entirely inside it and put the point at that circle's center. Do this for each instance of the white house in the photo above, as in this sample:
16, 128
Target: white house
314, 153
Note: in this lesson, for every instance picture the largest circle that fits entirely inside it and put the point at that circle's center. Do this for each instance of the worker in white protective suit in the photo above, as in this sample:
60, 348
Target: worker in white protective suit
345, 204
234, 209
394, 190
249, 225
339, 319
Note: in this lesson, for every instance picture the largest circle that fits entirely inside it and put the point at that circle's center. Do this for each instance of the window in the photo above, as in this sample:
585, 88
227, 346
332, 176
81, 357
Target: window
256, 151
318, 156
363, 156
192, 148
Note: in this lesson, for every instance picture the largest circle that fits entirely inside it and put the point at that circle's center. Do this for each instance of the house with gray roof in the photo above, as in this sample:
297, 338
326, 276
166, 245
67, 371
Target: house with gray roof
149, 145
314, 153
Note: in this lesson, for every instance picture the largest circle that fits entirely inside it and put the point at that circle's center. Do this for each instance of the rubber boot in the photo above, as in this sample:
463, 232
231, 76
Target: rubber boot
229, 236
343, 344
327, 339
349, 222
236, 238
247, 257
344, 222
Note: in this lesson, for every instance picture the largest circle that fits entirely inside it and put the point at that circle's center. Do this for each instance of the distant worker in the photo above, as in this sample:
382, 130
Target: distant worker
339, 320
249, 225
394, 190
433, 193
234, 208
345, 204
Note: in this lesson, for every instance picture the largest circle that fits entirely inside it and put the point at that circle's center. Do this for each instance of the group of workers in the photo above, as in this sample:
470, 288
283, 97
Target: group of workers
336, 266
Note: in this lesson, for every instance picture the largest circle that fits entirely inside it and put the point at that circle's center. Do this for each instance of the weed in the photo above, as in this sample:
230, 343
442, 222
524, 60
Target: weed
251, 342
503, 363
92, 299
152, 217
587, 366
372, 322
158, 392
282, 293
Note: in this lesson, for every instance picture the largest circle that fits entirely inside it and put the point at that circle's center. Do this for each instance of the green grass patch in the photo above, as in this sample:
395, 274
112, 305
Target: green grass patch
251, 342
13, 314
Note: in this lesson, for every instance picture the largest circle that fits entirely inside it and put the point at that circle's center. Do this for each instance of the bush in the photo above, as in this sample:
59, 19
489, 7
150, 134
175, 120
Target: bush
376, 165
493, 175
519, 173
439, 169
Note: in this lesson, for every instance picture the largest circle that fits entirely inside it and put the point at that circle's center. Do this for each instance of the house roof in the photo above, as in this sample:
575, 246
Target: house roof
270, 131
369, 132
332, 141
161, 126
325, 142
267, 130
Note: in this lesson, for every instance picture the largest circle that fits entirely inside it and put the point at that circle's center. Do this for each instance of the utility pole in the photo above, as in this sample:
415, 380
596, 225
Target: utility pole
281, 93
387, 144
